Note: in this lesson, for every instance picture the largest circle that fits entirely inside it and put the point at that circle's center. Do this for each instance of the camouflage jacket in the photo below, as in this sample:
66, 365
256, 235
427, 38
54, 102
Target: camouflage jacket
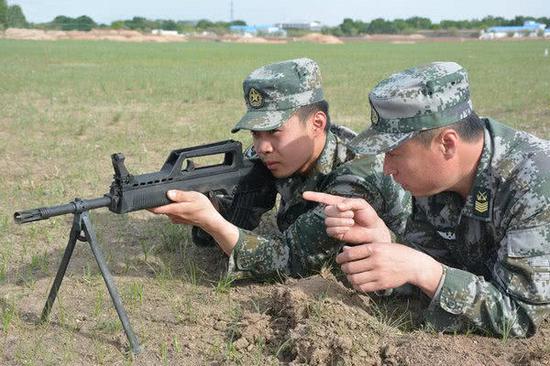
301, 246
495, 246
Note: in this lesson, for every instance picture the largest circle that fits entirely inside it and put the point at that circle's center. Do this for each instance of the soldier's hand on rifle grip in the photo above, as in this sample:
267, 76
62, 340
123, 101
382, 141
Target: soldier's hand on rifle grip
194, 208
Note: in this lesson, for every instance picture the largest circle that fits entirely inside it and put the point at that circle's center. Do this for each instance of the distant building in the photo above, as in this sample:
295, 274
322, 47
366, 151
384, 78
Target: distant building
260, 29
314, 26
529, 28
162, 32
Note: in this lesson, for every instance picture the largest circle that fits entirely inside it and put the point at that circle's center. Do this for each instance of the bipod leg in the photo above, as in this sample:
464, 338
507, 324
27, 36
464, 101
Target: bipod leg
117, 302
73, 236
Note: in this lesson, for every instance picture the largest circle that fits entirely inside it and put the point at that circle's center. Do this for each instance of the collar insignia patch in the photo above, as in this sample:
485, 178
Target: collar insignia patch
481, 204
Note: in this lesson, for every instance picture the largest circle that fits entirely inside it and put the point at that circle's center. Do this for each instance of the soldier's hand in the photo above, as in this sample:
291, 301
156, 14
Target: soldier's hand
380, 266
191, 208
194, 208
351, 220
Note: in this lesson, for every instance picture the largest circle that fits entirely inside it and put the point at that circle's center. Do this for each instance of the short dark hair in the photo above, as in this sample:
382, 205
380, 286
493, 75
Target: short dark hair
469, 129
306, 111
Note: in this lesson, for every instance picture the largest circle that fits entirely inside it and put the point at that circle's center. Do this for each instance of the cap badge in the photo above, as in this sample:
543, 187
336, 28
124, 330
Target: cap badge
255, 98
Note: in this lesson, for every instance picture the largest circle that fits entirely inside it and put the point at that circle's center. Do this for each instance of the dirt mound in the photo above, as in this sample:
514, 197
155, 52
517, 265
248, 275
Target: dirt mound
249, 39
321, 38
94, 35
396, 38
317, 321
31, 34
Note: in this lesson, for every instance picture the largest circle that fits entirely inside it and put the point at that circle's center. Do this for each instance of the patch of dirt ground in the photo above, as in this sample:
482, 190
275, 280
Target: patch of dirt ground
312, 321
184, 312
321, 38
95, 34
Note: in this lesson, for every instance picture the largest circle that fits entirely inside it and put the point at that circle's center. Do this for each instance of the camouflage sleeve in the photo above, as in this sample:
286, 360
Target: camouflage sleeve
392, 203
298, 251
518, 297
305, 247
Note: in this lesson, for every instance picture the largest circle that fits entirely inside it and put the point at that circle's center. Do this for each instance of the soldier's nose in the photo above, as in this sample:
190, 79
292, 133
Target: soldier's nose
264, 147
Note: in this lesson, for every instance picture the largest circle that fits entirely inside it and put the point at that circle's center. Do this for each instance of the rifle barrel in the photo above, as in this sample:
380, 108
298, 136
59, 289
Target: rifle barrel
75, 206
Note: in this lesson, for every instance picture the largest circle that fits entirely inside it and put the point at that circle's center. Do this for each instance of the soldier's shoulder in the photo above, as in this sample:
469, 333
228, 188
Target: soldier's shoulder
362, 166
520, 157
343, 133
358, 172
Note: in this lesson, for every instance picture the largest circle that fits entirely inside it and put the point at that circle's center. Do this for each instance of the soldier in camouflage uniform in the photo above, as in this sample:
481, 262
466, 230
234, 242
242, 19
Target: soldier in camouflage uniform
294, 150
478, 240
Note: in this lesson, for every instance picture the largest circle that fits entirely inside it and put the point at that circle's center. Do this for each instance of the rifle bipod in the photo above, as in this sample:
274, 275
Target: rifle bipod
82, 223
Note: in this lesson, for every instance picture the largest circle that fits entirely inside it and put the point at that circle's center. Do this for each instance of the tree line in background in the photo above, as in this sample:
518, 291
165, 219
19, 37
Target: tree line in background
12, 17
350, 27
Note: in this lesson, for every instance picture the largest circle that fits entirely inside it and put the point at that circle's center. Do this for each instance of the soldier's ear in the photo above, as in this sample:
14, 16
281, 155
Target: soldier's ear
319, 121
447, 142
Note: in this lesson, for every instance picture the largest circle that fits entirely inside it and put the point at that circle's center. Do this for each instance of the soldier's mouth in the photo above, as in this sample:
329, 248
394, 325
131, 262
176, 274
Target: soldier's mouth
271, 164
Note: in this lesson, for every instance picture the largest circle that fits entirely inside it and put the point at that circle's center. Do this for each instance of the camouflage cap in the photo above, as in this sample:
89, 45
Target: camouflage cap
419, 98
274, 92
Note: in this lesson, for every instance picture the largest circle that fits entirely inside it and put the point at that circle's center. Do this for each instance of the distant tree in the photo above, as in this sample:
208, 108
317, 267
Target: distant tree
382, 26
61, 21
168, 25
3, 14
82, 23
419, 23
350, 27
401, 26
447, 24
117, 24
137, 23
204, 24
237, 22
16, 18
335, 31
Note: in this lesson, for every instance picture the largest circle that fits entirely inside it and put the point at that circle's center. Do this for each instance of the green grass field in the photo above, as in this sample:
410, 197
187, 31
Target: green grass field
67, 105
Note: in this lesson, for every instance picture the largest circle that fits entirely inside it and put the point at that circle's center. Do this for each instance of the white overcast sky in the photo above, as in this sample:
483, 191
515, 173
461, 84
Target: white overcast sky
261, 11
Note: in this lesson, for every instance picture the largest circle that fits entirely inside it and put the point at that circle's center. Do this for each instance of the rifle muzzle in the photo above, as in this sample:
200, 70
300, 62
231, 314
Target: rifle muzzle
76, 206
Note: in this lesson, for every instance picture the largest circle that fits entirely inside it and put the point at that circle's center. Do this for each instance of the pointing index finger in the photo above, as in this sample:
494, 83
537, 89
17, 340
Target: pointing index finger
325, 198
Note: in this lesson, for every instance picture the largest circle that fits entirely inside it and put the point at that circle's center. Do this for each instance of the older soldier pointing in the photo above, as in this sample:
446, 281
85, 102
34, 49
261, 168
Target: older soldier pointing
478, 239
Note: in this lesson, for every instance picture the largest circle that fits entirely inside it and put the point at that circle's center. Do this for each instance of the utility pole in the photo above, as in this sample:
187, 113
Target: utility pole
231, 11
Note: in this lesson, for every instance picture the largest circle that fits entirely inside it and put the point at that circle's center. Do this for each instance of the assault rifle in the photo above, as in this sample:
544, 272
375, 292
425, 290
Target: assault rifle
136, 192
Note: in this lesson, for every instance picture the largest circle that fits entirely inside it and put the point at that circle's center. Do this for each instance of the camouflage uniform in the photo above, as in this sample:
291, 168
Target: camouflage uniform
302, 246
272, 94
495, 245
